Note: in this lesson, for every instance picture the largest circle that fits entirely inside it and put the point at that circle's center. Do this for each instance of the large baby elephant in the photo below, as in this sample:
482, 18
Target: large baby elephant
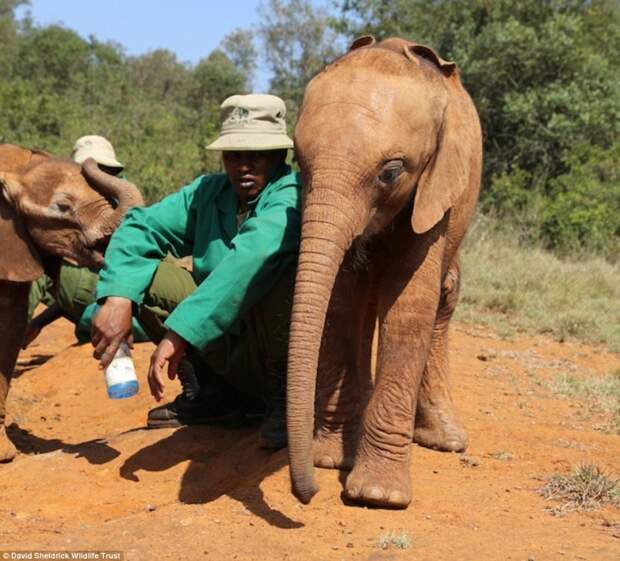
49, 209
389, 146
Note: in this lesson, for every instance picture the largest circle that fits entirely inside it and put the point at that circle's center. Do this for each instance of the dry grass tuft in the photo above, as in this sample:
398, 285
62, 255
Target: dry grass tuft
587, 488
394, 540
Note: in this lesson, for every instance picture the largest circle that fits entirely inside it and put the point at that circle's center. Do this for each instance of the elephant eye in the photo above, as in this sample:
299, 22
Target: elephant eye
62, 207
391, 171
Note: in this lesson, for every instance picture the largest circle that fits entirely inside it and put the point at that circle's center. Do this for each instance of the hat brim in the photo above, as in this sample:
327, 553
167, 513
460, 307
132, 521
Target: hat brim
246, 141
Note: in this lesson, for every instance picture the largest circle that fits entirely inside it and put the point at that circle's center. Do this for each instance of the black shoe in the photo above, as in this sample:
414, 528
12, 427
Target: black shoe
189, 381
273, 434
200, 411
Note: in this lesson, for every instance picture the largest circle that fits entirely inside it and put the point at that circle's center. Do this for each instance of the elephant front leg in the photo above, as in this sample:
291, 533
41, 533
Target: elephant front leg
436, 423
407, 307
344, 369
13, 316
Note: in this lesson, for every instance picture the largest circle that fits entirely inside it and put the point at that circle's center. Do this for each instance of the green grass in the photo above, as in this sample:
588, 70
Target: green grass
595, 395
587, 488
511, 288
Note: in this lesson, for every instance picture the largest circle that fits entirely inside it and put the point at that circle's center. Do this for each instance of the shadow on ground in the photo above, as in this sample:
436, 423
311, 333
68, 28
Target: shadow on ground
26, 364
96, 451
223, 461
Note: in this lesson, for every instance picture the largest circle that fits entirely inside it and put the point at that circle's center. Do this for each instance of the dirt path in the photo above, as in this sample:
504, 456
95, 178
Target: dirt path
90, 477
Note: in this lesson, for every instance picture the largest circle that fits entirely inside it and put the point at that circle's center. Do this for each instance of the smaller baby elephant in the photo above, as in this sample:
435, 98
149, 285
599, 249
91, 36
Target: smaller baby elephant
389, 146
49, 209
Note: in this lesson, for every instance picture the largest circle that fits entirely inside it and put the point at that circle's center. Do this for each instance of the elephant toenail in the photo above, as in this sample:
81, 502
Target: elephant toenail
375, 493
396, 498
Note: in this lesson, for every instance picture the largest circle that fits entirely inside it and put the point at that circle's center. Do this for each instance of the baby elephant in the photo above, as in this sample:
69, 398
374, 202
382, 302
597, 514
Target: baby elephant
389, 146
49, 209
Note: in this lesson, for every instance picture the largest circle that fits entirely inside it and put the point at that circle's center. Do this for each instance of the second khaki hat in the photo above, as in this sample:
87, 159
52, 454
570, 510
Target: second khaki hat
252, 122
97, 147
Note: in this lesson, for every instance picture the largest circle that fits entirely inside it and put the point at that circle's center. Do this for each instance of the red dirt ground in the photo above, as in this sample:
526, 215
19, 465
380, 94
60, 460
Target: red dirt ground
90, 477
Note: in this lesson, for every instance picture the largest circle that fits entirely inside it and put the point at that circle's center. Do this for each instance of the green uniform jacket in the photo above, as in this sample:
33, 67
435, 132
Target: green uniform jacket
233, 266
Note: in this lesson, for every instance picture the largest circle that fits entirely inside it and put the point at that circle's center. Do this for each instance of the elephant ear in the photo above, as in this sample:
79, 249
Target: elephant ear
446, 176
19, 259
446, 67
363, 41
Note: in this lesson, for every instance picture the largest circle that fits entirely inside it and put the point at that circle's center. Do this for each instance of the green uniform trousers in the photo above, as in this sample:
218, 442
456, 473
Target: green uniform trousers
246, 356
74, 291
75, 295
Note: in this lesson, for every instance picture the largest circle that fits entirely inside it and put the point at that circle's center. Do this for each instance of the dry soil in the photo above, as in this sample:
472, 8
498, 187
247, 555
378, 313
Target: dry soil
90, 477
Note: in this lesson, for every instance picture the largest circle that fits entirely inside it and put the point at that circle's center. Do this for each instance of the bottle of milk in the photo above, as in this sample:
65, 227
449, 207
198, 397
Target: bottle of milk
120, 375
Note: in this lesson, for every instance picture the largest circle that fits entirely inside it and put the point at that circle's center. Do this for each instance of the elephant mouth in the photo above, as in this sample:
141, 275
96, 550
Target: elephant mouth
96, 250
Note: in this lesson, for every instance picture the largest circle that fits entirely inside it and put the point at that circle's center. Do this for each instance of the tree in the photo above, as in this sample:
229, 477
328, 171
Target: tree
541, 75
53, 57
239, 47
159, 75
214, 79
298, 42
8, 32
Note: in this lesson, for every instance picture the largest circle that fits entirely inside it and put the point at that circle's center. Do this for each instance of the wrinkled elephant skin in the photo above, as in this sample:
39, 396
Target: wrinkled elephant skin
389, 146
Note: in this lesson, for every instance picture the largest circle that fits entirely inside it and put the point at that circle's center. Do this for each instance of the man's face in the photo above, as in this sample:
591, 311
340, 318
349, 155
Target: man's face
250, 171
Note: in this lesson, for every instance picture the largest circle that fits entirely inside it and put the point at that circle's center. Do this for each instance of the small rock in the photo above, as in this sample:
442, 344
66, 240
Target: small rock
350, 545
469, 461
150, 508
486, 355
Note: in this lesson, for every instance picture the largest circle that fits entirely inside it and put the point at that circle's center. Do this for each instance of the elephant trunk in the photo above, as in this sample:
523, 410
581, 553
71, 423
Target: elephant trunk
329, 225
126, 194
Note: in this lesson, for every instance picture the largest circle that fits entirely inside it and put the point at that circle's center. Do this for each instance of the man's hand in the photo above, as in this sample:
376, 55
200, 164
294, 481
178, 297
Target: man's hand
171, 349
111, 326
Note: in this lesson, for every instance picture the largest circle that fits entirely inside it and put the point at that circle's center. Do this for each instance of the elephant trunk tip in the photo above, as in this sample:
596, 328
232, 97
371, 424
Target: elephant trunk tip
304, 493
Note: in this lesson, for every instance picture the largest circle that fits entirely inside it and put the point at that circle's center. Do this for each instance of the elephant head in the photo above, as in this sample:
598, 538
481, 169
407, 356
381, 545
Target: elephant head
51, 207
386, 129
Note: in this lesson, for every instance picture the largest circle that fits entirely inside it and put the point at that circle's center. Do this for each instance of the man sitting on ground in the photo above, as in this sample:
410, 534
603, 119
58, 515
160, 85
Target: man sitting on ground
230, 316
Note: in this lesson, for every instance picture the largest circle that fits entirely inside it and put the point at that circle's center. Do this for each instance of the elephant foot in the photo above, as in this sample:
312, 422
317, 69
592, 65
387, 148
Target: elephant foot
439, 429
384, 483
334, 450
7, 448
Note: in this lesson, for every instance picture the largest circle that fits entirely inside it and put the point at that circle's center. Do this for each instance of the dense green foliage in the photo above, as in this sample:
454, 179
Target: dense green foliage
158, 112
541, 74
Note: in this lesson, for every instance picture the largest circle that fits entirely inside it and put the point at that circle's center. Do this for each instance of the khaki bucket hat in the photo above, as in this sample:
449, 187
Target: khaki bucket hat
252, 122
96, 147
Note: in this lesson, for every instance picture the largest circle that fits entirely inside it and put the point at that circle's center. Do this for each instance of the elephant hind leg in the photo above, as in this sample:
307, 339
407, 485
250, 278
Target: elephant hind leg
13, 316
436, 424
